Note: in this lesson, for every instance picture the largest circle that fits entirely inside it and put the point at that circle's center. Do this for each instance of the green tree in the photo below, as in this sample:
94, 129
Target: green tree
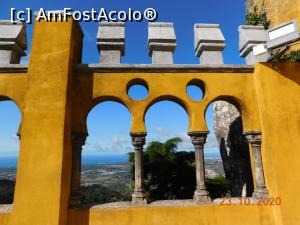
170, 174
293, 56
258, 17
7, 188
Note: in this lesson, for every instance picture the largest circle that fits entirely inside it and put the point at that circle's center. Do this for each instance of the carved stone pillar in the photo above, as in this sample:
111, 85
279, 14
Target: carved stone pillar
209, 43
254, 138
78, 140
198, 140
13, 41
111, 42
138, 141
161, 42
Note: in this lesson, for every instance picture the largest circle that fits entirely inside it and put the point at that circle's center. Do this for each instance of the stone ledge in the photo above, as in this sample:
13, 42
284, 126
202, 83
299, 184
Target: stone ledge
6, 208
164, 203
155, 204
146, 68
171, 68
13, 68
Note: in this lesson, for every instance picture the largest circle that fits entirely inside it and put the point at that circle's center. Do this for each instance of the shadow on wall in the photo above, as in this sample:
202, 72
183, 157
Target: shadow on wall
236, 161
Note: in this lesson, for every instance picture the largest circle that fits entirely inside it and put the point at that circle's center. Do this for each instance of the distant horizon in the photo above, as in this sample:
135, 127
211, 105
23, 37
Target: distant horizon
209, 152
10, 161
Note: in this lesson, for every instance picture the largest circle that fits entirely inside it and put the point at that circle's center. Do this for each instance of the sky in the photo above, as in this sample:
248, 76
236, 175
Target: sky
165, 119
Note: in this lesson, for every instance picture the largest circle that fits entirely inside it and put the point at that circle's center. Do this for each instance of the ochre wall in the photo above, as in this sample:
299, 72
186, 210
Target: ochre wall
55, 100
236, 87
199, 215
278, 93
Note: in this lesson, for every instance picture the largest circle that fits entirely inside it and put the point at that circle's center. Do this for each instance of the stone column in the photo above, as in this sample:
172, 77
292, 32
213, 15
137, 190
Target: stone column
161, 42
138, 141
78, 140
198, 140
254, 138
13, 42
19, 132
209, 43
111, 42
249, 37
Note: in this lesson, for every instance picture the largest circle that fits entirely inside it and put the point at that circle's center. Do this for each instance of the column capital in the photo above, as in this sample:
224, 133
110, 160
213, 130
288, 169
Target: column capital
253, 137
198, 137
138, 139
78, 139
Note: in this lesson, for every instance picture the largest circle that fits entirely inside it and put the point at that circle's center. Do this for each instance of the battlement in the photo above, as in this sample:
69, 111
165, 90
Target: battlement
209, 43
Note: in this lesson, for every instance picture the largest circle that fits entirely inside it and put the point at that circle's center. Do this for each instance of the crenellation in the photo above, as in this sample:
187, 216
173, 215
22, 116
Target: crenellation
209, 43
13, 42
111, 42
161, 42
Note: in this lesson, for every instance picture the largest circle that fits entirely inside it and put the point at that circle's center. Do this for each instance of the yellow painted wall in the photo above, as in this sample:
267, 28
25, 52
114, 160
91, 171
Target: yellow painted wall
199, 215
55, 98
278, 93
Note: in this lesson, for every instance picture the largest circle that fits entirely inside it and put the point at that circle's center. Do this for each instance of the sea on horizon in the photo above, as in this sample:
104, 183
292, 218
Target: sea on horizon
12, 161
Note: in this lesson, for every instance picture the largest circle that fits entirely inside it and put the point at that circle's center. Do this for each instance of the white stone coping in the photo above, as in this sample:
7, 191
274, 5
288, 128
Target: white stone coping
172, 203
111, 32
155, 204
250, 27
6, 208
210, 34
206, 25
284, 37
13, 68
112, 24
161, 32
8, 22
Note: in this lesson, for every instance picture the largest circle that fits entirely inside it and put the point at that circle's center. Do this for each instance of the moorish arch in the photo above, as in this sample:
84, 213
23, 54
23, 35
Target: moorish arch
10, 137
94, 131
233, 147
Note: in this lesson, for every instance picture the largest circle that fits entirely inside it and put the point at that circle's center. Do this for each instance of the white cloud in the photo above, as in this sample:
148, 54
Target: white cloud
184, 137
211, 142
118, 145
160, 131
117, 139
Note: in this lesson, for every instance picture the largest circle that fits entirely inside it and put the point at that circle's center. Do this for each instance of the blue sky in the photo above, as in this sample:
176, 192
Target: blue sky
165, 119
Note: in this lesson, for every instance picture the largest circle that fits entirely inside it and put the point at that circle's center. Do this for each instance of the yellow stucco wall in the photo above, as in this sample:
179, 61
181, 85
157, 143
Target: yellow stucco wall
278, 93
55, 98
199, 215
